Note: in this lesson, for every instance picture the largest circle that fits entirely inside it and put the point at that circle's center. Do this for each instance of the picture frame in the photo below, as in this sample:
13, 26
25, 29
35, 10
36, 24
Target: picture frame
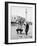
14, 11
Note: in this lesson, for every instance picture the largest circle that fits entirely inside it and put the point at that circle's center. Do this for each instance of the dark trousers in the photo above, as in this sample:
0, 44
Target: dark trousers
19, 30
26, 30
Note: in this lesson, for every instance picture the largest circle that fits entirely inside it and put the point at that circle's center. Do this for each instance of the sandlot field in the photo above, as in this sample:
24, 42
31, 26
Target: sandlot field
14, 34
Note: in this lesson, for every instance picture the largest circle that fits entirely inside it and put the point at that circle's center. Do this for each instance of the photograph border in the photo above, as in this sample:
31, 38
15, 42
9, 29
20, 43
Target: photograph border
6, 22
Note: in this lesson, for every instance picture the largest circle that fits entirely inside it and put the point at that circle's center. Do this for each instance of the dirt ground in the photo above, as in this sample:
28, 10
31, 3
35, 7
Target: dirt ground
14, 34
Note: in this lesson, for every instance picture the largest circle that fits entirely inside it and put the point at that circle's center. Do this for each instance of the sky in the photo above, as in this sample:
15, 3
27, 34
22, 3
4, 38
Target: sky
21, 11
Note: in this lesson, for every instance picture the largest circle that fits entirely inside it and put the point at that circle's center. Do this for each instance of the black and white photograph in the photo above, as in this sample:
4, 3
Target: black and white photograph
21, 22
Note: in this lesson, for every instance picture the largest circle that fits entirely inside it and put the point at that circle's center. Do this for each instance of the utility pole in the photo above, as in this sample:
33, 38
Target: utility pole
26, 14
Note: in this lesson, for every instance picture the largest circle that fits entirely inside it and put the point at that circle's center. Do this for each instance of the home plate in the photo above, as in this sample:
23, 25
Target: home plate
19, 36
